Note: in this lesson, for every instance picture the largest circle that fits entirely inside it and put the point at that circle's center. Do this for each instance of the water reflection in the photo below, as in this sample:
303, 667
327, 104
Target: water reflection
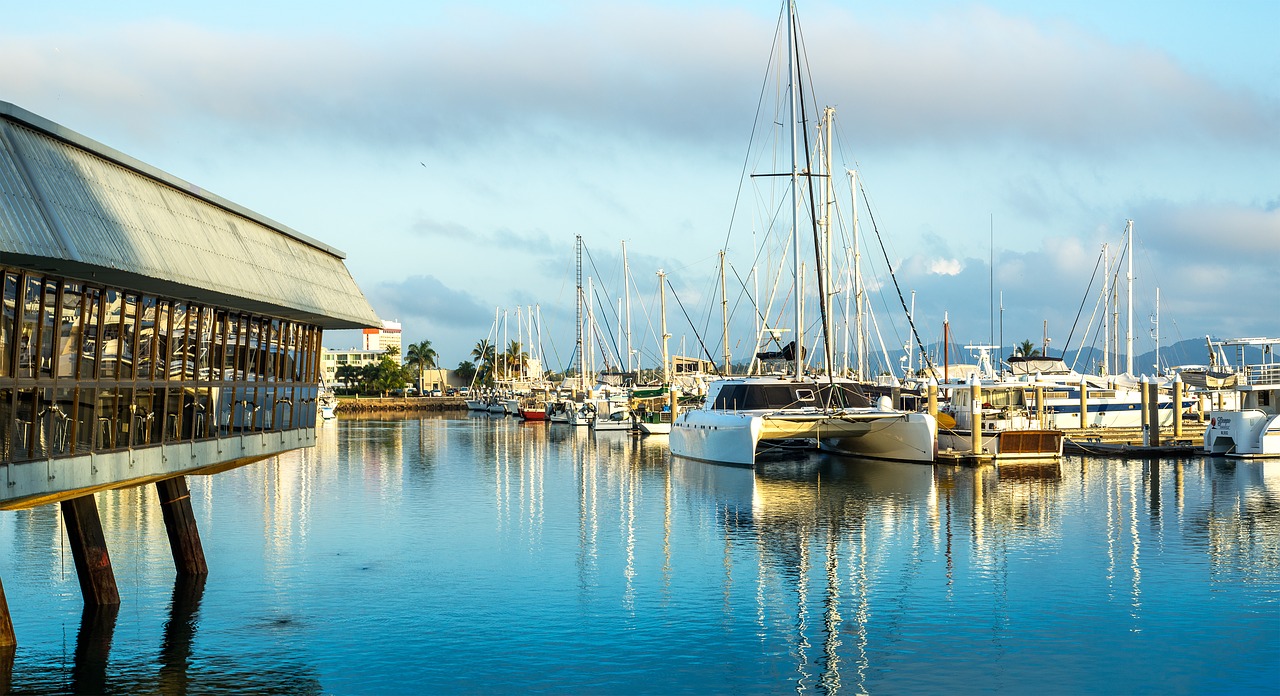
593, 562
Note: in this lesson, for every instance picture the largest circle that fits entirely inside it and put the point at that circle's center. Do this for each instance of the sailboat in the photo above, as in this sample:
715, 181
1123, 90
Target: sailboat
741, 413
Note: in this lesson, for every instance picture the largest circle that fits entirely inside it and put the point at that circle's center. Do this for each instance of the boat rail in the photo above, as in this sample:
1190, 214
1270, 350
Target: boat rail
1268, 374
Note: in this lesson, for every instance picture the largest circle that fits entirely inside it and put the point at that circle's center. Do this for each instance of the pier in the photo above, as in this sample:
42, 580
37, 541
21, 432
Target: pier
151, 331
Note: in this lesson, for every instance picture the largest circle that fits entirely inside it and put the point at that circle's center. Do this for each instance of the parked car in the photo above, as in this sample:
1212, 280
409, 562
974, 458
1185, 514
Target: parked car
435, 392
463, 391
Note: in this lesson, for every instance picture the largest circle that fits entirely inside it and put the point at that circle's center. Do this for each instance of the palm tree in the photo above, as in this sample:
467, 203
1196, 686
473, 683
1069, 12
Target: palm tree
484, 355
466, 370
514, 359
421, 357
1027, 349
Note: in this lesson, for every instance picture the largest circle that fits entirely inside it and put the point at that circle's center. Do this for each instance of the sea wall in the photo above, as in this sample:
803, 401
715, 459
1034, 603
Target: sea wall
375, 404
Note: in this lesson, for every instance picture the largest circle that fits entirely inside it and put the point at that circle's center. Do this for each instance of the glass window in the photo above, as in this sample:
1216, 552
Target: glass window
179, 354
251, 349
89, 349
231, 360
7, 330
202, 414
173, 413
104, 428
8, 425
27, 346
48, 325
24, 423
55, 418
86, 418
147, 325
70, 328
128, 335
112, 311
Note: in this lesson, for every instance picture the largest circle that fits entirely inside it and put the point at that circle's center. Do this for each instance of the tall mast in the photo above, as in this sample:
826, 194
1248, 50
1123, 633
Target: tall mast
795, 191
582, 363
1106, 311
662, 297
857, 280
724, 315
626, 292
1128, 335
828, 115
1157, 323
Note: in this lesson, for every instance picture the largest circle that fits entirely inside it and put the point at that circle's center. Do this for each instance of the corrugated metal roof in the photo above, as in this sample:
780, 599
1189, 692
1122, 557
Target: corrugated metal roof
72, 206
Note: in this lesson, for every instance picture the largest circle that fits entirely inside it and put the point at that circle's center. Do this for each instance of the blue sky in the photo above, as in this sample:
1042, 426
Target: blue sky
455, 150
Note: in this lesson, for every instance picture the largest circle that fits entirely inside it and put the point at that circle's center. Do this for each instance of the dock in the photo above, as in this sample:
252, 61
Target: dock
1127, 442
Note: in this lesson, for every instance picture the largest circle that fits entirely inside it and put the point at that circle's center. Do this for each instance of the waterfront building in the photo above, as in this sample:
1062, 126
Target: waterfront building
331, 360
150, 330
379, 339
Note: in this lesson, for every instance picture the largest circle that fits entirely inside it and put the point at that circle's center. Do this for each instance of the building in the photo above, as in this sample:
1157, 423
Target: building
331, 360
150, 330
380, 339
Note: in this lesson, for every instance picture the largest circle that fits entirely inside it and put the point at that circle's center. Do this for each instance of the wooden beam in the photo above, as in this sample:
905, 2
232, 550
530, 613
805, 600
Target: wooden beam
180, 522
89, 550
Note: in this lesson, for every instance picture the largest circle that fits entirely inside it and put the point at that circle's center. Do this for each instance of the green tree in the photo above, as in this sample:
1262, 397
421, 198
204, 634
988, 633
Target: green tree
485, 357
348, 375
514, 359
1027, 349
466, 370
420, 357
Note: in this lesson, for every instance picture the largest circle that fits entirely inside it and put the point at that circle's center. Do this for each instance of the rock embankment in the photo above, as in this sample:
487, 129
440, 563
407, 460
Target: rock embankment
378, 405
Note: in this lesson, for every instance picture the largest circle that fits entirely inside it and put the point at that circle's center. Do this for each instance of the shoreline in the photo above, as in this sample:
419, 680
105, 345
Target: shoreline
374, 404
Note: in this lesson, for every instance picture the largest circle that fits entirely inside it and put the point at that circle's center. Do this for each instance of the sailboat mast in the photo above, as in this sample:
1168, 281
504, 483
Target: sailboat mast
582, 367
626, 292
1106, 311
795, 191
662, 301
857, 280
1128, 335
724, 315
828, 115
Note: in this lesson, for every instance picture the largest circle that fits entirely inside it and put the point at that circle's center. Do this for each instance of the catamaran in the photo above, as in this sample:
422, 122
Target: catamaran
743, 414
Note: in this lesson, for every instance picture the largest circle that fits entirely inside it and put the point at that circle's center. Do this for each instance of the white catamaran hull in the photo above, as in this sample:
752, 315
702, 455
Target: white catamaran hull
733, 438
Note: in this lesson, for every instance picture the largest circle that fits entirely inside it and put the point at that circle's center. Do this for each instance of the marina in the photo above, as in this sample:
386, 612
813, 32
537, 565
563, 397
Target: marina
460, 553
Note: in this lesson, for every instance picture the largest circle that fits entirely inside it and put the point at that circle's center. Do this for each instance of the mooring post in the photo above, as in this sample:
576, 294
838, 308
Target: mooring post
1146, 412
89, 550
975, 416
1153, 404
1084, 404
180, 523
1177, 406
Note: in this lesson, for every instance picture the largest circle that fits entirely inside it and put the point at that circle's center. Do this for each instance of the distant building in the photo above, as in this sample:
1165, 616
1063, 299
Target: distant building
331, 360
378, 340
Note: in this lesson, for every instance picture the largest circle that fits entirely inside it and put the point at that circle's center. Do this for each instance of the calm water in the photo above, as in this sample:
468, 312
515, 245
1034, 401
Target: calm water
482, 555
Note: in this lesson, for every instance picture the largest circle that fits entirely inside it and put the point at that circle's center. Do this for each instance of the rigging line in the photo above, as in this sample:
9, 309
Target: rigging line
695, 330
746, 158
1080, 311
910, 320
754, 306
601, 277
813, 224
612, 339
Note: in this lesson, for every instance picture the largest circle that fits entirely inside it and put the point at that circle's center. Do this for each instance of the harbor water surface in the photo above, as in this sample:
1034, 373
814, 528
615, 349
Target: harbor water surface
483, 555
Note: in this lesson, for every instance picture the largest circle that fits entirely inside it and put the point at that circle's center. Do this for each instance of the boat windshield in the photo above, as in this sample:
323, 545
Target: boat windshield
749, 397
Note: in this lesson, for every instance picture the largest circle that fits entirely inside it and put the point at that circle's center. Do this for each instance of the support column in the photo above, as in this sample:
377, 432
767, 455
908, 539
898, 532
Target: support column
180, 522
93, 649
7, 639
89, 549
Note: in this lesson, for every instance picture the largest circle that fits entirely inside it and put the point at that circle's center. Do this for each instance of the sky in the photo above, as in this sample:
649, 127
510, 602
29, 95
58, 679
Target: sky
454, 151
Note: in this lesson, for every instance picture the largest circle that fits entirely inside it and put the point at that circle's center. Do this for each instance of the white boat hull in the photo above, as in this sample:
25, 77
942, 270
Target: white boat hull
1250, 433
733, 438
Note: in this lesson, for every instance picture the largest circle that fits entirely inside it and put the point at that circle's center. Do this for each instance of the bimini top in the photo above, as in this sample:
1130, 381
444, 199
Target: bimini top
74, 207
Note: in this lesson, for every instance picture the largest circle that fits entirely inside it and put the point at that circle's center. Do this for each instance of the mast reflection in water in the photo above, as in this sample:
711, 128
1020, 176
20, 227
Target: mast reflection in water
486, 555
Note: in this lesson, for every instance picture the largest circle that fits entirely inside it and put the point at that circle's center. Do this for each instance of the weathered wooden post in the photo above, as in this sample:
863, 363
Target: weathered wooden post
1153, 404
975, 401
1146, 411
1084, 403
1177, 407
1040, 409
7, 639
89, 550
180, 523
675, 404
933, 398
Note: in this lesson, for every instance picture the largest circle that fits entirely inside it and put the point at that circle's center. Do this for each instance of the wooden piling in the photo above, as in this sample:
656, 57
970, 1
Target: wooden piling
7, 638
975, 418
1146, 412
89, 550
1177, 407
1153, 404
180, 523
1084, 404
93, 649
933, 397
